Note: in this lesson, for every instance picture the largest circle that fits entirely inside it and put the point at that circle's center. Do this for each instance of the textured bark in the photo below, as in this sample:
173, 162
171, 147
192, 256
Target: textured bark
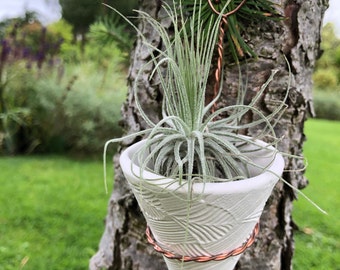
123, 245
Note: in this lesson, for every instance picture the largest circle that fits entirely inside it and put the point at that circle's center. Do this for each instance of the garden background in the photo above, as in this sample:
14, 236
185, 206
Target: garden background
61, 89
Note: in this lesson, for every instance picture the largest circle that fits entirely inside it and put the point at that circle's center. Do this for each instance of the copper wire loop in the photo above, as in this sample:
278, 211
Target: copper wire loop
204, 258
226, 14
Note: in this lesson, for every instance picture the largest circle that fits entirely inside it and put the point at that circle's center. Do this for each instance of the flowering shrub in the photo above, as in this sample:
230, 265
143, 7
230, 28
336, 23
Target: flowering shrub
24, 51
47, 105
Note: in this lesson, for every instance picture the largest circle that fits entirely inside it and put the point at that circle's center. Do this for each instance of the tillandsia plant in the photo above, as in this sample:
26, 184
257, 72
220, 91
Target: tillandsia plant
192, 143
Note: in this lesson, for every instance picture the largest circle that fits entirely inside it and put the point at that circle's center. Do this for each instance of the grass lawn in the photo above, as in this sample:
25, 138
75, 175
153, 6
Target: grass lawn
52, 208
318, 240
51, 212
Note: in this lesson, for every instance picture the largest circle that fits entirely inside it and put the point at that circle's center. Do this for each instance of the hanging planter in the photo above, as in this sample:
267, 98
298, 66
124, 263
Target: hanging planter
210, 229
200, 184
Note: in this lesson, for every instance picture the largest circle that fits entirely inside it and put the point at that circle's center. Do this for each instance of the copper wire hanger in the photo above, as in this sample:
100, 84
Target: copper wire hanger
220, 49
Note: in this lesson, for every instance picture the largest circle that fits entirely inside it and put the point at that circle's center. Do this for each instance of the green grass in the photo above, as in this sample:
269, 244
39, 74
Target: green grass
52, 212
318, 240
52, 208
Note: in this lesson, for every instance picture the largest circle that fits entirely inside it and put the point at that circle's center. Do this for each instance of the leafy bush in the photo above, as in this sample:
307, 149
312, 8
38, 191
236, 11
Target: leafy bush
48, 103
77, 114
326, 78
14, 114
25, 49
68, 108
328, 66
327, 105
54, 96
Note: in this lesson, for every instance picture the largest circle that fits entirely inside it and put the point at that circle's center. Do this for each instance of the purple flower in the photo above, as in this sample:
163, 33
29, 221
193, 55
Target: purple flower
26, 52
5, 51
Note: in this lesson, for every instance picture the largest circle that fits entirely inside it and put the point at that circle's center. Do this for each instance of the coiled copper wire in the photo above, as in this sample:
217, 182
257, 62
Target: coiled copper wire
204, 258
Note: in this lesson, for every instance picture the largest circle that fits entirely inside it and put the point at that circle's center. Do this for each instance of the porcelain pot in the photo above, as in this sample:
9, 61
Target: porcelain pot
214, 219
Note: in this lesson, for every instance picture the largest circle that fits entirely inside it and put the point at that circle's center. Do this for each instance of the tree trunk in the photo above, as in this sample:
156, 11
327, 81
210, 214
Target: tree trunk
123, 245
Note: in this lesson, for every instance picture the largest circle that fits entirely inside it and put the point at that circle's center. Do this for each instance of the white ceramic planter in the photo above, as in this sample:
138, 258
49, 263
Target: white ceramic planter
220, 218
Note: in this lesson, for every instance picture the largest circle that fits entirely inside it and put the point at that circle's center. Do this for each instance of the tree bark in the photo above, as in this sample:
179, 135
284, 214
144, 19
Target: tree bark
123, 245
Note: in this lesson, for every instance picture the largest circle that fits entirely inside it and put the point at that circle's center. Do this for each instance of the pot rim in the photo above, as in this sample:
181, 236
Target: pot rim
267, 178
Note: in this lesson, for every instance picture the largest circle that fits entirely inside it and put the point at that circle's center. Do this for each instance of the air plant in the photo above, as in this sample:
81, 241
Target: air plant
191, 141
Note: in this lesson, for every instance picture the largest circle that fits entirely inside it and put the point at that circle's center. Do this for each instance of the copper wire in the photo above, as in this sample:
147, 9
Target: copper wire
228, 13
220, 48
204, 258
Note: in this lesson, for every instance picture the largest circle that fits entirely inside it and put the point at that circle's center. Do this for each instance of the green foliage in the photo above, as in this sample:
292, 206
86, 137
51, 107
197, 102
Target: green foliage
63, 29
77, 113
70, 52
317, 240
337, 55
329, 41
240, 15
6, 26
65, 103
15, 114
111, 29
52, 212
103, 55
327, 104
326, 78
96, 51
25, 50
327, 73
125, 7
31, 42
80, 13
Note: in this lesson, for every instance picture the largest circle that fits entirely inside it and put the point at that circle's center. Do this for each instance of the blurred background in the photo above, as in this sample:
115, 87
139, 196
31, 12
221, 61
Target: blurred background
63, 68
